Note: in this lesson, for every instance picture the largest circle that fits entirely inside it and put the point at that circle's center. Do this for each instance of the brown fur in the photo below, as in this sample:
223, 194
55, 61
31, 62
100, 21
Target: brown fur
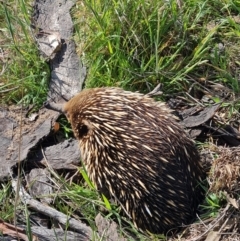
133, 147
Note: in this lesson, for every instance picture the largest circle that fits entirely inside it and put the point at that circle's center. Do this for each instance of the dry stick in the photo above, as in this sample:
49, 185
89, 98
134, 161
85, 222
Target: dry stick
201, 221
194, 99
51, 212
8, 90
215, 222
156, 91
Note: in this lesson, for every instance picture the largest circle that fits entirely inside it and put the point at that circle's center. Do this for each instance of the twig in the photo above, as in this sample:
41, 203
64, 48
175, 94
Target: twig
194, 99
8, 90
3, 70
201, 221
156, 91
213, 225
51, 212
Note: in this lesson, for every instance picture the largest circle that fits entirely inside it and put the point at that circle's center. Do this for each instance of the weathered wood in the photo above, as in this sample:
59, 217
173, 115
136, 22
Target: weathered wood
108, 230
7, 126
32, 139
15, 148
39, 184
52, 22
54, 29
32, 133
69, 222
4, 165
204, 115
56, 234
64, 155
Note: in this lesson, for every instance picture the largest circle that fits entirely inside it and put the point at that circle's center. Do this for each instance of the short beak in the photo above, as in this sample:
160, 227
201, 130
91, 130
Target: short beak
53, 106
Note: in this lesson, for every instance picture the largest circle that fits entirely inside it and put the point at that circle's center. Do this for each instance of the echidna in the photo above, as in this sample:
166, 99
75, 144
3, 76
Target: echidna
135, 151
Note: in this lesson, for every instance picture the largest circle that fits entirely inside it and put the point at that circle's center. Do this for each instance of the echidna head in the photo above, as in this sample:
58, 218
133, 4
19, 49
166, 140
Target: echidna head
99, 111
75, 111
95, 116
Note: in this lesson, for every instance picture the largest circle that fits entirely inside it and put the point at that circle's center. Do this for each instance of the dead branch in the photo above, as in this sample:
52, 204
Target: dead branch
51, 212
156, 91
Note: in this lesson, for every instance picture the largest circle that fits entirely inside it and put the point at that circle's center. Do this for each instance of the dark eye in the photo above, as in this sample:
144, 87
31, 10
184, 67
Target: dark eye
83, 131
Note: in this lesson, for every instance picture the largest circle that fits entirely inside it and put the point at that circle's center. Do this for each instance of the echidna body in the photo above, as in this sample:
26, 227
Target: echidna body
135, 151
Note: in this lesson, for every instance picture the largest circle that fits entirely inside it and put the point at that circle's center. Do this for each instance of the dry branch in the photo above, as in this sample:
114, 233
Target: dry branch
51, 212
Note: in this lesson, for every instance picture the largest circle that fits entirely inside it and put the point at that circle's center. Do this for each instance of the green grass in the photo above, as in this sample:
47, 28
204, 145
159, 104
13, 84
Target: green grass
7, 202
212, 204
131, 44
84, 200
25, 74
65, 127
137, 44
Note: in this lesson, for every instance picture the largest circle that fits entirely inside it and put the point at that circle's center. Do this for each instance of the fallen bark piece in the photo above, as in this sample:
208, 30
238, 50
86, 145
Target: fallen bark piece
32, 134
69, 222
32, 139
6, 134
64, 155
4, 145
201, 118
15, 232
49, 43
108, 230
56, 234
195, 132
39, 185
53, 30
